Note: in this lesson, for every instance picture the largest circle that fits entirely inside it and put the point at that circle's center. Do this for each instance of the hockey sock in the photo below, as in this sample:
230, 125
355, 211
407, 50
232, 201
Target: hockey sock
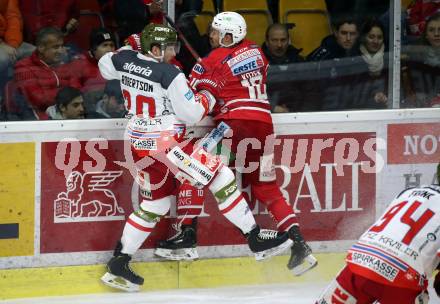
136, 230
283, 215
270, 195
141, 223
231, 201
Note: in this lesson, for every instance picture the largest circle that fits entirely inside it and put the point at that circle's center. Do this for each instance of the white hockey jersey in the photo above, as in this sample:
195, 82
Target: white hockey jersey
402, 247
151, 88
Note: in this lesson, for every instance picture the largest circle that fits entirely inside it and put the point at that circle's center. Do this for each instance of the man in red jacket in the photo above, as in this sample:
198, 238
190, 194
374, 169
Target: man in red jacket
40, 76
38, 14
85, 66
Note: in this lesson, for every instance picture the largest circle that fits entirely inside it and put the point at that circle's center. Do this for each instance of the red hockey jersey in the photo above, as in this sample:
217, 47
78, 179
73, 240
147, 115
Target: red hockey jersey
236, 76
402, 248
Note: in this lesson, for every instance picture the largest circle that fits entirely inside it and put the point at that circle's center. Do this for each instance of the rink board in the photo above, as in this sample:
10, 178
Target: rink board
338, 170
207, 273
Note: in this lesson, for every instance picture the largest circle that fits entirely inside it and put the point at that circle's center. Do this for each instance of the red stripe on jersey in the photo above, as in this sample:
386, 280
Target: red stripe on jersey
139, 227
234, 203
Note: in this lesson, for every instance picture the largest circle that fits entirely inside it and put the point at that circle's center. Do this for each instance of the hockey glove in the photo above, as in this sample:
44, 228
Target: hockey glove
207, 100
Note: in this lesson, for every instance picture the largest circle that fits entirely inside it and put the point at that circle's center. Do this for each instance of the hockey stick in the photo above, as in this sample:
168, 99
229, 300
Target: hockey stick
182, 37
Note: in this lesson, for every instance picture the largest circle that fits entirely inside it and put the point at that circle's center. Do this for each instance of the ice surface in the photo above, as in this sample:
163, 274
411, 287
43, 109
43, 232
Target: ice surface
299, 293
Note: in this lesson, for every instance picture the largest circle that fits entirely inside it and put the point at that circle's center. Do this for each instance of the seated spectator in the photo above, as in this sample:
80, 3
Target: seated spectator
421, 76
12, 47
132, 16
339, 63
213, 42
85, 66
287, 96
277, 47
373, 83
112, 103
40, 76
208, 41
38, 14
69, 105
188, 6
14, 106
417, 15
342, 43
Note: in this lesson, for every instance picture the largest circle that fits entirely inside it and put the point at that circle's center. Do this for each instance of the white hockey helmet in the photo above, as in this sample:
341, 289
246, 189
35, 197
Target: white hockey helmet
230, 23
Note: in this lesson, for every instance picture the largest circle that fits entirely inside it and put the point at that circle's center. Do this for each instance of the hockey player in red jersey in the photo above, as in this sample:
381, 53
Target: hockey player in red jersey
160, 103
235, 74
394, 259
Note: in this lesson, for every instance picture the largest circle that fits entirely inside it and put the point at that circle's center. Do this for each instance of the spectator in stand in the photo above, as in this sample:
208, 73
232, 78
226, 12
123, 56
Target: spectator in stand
129, 31
277, 47
417, 15
188, 6
208, 41
69, 104
374, 82
132, 16
12, 47
38, 14
342, 43
278, 50
112, 103
40, 76
339, 59
421, 80
101, 42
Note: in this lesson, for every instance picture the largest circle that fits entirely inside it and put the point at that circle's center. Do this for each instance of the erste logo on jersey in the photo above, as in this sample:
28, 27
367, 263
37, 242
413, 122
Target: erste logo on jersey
245, 62
247, 65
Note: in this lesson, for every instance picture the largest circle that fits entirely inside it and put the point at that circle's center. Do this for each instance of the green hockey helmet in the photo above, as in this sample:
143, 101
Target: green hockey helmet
157, 34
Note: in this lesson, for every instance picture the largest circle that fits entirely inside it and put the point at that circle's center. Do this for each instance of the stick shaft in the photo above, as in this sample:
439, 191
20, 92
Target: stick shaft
182, 37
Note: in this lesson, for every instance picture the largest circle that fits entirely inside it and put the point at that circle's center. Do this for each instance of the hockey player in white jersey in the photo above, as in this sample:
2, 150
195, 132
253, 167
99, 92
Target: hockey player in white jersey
160, 102
394, 259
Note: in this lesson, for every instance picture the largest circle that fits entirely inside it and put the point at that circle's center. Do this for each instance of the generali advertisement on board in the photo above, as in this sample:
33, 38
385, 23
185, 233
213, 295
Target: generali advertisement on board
88, 189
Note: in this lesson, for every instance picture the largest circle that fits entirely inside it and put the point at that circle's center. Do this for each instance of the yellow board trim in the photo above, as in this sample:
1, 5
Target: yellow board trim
17, 197
208, 273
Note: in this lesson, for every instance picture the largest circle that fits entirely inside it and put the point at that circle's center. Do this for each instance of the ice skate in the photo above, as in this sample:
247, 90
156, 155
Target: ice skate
181, 246
119, 274
266, 243
301, 258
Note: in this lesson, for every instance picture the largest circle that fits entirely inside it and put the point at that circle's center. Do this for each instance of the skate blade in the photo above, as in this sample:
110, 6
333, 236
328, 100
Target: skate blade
184, 254
119, 283
308, 263
262, 255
